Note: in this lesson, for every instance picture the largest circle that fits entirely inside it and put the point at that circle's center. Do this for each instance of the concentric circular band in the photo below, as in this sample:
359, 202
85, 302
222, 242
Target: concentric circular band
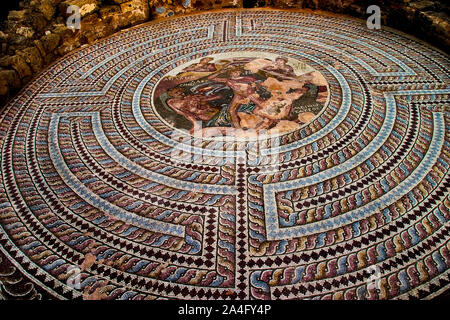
353, 204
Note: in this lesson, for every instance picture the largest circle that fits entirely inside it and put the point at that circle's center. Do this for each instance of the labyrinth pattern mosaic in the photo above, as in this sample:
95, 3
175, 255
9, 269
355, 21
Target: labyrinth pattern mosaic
230, 155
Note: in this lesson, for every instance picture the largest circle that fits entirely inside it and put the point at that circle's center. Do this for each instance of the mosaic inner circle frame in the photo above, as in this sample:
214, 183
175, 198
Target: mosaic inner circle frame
348, 200
240, 94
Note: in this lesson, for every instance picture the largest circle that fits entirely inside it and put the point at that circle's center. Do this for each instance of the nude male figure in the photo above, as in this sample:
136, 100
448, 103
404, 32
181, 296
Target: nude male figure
242, 86
192, 107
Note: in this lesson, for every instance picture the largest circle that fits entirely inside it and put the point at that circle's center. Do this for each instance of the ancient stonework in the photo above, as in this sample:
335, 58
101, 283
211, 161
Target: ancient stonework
245, 154
35, 34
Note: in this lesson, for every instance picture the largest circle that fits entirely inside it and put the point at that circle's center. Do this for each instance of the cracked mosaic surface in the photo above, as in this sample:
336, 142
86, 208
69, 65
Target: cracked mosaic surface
240, 96
93, 204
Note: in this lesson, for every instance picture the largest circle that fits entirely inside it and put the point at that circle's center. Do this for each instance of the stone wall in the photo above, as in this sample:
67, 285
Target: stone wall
36, 34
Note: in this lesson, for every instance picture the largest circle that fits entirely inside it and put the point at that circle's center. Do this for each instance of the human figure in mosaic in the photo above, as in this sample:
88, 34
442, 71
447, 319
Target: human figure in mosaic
242, 86
193, 107
203, 66
280, 69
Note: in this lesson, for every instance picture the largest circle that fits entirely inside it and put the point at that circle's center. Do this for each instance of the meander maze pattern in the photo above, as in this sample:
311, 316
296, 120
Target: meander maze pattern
87, 182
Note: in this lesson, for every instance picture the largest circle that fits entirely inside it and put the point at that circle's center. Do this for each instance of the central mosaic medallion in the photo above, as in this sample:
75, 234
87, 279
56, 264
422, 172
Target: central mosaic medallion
241, 94
108, 192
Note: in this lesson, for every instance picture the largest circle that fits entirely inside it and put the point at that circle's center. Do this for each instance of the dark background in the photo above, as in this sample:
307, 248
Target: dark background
8, 5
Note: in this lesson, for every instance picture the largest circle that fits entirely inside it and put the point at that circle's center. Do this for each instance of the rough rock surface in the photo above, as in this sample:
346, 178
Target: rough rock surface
35, 34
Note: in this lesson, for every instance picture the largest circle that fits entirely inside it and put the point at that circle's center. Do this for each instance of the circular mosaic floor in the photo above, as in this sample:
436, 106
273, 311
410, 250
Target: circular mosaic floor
230, 155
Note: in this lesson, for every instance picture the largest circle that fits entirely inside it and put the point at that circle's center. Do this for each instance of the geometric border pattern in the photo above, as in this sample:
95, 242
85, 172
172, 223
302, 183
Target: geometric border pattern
92, 206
